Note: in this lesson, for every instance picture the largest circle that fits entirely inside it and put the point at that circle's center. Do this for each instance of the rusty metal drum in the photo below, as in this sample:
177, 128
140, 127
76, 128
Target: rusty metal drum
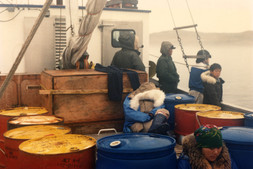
13, 138
220, 118
70, 151
22, 121
7, 114
185, 117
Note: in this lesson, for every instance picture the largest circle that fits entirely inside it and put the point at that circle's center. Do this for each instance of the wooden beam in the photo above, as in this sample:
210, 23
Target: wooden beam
85, 92
25, 46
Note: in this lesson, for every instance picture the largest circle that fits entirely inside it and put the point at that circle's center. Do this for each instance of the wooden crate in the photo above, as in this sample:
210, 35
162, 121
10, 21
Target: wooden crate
22, 90
81, 96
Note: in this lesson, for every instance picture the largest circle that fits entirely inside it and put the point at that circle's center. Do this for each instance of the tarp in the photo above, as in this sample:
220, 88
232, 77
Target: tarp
79, 44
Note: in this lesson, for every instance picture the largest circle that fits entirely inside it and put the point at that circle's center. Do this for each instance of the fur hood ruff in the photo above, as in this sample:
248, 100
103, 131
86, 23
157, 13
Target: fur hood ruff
198, 161
206, 77
156, 95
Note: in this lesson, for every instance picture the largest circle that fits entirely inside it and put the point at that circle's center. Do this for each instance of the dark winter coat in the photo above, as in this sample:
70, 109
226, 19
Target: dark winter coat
213, 89
127, 57
192, 157
167, 72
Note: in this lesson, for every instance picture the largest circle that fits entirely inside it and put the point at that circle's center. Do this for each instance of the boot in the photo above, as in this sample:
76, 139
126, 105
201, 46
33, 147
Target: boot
159, 125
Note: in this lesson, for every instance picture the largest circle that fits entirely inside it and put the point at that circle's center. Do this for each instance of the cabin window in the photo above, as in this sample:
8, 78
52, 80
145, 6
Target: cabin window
115, 36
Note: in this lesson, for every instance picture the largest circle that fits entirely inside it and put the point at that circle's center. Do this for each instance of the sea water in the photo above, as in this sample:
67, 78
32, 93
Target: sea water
237, 70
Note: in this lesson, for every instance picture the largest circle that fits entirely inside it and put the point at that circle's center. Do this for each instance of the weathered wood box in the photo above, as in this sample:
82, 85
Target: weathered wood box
22, 90
81, 98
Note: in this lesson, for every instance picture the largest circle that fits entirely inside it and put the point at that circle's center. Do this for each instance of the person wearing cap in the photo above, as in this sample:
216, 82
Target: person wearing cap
205, 150
166, 69
128, 56
195, 83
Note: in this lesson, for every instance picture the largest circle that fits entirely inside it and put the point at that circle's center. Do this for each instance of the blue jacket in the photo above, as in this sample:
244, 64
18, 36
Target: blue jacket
195, 82
132, 116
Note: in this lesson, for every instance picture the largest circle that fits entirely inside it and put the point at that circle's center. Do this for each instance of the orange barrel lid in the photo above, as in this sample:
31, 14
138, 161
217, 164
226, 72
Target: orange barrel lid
27, 120
222, 114
197, 107
60, 144
36, 131
22, 111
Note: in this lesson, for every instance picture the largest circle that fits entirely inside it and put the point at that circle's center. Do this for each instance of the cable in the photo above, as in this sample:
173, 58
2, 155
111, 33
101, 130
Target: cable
4, 10
13, 17
171, 13
190, 12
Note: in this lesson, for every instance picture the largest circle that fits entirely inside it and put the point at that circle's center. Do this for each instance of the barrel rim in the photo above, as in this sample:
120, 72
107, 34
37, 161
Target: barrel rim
53, 154
117, 151
239, 141
6, 137
195, 105
202, 114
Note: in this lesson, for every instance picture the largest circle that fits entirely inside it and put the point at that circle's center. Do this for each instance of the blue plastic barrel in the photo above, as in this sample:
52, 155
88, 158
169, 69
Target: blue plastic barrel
239, 141
136, 151
174, 99
248, 120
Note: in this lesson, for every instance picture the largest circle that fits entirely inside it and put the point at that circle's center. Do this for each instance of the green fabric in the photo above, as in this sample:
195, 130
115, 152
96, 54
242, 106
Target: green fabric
208, 136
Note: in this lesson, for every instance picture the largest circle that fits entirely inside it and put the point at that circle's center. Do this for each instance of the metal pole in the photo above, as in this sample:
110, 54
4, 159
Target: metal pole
25, 46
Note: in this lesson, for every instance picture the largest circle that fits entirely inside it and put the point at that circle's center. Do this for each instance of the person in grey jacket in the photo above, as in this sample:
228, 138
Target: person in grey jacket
128, 56
166, 69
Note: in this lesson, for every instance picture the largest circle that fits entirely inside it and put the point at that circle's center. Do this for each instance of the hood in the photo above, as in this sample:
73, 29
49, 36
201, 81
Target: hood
206, 77
156, 95
198, 161
165, 48
126, 40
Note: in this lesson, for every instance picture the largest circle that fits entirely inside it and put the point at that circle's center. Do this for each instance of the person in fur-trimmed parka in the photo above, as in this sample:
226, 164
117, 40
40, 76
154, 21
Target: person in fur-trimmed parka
205, 150
144, 110
212, 83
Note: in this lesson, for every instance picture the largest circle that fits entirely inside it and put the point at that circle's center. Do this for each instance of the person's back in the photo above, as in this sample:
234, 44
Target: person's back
128, 56
195, 83
213, 85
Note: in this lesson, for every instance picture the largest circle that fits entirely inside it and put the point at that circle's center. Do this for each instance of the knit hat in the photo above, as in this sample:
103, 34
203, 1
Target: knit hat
208, 136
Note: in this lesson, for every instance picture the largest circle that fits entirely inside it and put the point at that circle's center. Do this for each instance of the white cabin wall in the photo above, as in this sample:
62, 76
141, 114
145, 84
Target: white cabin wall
12, 39
94, 48
12, 34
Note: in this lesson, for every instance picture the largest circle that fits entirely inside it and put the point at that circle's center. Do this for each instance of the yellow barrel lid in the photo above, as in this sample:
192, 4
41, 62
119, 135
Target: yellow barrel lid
36, 131
197, 107
20, 111
60, 144
221, 114
31, 120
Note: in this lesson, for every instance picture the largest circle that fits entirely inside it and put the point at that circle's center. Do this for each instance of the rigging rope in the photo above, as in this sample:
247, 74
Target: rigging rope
71, 23
178, 37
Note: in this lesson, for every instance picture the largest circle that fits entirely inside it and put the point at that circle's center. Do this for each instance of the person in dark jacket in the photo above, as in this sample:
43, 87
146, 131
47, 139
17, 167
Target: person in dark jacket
166, 69
205, 150
213, 85
128, 56
195, 82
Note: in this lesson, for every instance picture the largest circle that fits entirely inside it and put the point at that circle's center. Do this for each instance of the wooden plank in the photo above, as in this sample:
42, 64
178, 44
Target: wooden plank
87, 108
54, 92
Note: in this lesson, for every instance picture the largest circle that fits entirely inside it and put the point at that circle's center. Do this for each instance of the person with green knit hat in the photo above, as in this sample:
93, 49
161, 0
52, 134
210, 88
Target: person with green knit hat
208, 136
204, 149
